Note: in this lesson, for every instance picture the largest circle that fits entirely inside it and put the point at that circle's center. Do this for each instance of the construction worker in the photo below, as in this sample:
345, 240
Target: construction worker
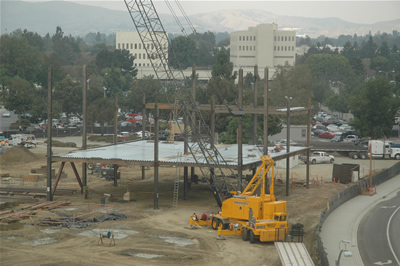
211, 216
195, 217
204, 216
2, 143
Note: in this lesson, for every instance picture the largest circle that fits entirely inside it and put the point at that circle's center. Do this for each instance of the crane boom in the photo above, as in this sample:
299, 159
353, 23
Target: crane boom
155, 42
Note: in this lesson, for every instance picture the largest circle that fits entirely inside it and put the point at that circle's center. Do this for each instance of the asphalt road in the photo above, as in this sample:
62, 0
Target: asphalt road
378, 235
5, 122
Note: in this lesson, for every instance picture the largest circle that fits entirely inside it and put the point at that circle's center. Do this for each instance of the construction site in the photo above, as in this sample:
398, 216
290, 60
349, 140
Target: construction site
120, 226
50, 232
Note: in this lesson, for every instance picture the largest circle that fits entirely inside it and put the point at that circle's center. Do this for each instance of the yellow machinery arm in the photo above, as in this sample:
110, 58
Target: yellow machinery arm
267, 164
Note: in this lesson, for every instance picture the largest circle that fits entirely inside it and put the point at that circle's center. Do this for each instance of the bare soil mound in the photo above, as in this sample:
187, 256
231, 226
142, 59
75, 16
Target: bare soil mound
17, 154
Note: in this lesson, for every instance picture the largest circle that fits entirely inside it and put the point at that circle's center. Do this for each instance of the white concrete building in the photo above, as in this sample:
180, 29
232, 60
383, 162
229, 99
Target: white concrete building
131, 41
263, 46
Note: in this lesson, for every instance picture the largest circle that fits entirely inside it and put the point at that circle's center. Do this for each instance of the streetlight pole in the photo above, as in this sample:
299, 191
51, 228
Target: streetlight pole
287, 142
347, 253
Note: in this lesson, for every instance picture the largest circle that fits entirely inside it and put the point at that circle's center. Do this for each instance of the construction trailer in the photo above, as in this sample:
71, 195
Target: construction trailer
250, 215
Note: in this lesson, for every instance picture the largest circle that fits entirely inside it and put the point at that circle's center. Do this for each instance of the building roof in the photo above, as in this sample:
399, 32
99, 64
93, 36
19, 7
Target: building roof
169, 154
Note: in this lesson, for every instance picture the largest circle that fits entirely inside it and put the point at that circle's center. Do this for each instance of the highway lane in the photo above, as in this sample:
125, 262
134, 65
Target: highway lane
378, 234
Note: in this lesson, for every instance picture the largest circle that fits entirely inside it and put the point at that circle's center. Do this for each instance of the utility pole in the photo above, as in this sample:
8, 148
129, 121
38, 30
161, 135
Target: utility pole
49, 132
255, 105
287, 143
266, 90
84, 131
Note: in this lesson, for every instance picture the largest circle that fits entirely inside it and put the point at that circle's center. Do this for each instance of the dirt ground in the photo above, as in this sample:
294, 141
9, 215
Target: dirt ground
148, 236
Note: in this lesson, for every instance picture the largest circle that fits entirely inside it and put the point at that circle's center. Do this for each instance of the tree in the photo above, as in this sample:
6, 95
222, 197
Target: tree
20, 96
101, 111
222, 87
293, 81
368, 48
185, 52
121, 59
374, 109
329, 67
147, 86
68, 93
205, 44
380, 63
18, 58
384, 50
65, 48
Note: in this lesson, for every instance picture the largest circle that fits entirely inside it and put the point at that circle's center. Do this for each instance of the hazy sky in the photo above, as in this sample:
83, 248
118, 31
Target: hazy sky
367, 12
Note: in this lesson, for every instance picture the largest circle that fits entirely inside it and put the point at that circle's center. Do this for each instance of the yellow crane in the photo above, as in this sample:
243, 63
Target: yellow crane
250, 215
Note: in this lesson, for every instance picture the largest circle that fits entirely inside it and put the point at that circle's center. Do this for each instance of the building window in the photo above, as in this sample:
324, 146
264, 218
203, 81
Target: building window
135, 64
140, 56
119, 46
278, 48
123, 46
140, 64
274, 48
254, 48
247, 48
127, 46
144, 56
285, 48
131, 46
292, 38
251, 48
303, 132
240, 38
274, 38
240, 48
135, 45
140, 46
135, 56
152, 46
285, 38
251, 38
281, 48
292, 48
247, 38
254, 38
148, 46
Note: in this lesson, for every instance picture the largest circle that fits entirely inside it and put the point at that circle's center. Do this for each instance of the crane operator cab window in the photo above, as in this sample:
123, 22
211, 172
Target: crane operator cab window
281, 217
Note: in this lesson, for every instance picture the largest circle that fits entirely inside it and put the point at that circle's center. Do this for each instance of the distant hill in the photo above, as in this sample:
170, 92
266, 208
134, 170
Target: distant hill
78, 20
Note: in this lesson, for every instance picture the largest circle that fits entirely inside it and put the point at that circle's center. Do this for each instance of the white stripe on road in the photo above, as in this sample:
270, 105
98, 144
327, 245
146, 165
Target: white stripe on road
388, 236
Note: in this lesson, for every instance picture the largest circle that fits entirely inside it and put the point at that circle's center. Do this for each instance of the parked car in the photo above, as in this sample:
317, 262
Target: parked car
316, 132
6, 114
126, 124
319, 126
350, 138
332, 128
337, 138
326, 135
